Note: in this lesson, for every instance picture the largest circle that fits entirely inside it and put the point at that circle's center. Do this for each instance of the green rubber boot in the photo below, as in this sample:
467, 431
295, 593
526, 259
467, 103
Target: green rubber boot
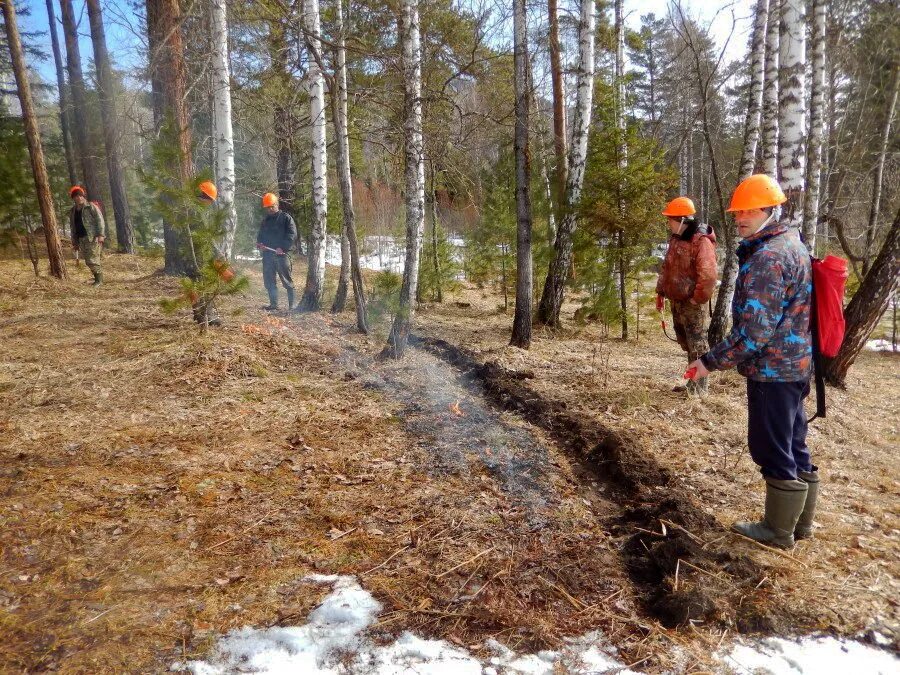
804, 529
785, 500
98, 279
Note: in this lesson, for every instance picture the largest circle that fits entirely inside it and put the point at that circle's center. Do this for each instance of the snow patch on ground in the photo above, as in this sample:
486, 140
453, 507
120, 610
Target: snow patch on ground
333, 642
881, 346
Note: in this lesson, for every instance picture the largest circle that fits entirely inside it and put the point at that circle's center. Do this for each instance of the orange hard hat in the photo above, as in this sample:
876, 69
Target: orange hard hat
75, 189
209, 188
759, 191
680, 206
269, 199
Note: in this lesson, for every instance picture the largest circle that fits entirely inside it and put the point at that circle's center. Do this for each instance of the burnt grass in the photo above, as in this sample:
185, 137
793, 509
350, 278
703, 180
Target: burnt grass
674, 552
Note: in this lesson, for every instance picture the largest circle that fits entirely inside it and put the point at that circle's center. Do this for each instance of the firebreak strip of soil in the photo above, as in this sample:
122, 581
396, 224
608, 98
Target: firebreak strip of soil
674, 551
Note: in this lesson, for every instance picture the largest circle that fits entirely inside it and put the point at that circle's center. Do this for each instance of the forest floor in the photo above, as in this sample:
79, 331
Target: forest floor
159, 487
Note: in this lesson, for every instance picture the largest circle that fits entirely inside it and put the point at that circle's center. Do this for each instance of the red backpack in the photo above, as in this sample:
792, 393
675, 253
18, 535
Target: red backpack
828, 325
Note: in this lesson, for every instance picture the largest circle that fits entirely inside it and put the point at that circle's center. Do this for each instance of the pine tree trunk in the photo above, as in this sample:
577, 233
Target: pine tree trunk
315, 277
415, 174
878, 179
341, 123
868, 305
555, 285
816, 124
560, 138
223, 135
718, 325
35, 149
436, 259
792, 109
121, 210
65, 112
622, 159
521, 333
167, 63
80, 112
770, 93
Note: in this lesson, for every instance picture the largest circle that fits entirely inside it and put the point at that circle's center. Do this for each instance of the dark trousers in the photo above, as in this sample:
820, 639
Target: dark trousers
776, 430
279, 266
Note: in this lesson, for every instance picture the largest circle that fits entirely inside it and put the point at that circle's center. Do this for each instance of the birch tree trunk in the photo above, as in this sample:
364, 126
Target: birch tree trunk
792, 109
770, 93
816, 124
80, 113
878, 179
718, 325
121, 209
315, 277
560, 137
415, 174
35, 149
622, 160
521, 333
868, 305
555, 285
65, 112
223, 135
340, 120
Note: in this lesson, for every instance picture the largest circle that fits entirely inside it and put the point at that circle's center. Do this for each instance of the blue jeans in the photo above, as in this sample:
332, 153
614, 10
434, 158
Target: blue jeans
776, 430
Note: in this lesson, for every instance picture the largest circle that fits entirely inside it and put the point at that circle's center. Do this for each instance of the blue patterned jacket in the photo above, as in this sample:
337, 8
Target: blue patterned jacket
770, 340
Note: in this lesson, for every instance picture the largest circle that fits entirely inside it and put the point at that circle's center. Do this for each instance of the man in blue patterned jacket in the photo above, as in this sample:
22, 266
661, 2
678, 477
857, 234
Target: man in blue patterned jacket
770, 344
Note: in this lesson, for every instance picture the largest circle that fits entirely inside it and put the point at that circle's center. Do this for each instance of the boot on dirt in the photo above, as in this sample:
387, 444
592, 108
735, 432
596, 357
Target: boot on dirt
804, 529
98, 279
290, 299
785, 500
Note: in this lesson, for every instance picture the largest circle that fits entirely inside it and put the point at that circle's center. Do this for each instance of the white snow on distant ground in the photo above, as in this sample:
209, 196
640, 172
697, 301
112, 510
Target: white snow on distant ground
333, 642
880, 346
811, 656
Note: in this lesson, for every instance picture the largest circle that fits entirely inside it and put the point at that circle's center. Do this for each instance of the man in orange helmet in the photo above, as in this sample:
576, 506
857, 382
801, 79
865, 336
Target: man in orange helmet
88, 231
687, 278
276, 237
771, 345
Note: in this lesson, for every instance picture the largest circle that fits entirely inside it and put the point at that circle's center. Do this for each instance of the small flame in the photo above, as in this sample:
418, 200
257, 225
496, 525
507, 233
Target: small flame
455, 409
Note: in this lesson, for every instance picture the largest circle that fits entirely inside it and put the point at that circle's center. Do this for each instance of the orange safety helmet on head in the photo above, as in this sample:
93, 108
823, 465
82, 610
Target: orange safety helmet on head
679, 207
75, 189
269, 199
759, 191
209, 188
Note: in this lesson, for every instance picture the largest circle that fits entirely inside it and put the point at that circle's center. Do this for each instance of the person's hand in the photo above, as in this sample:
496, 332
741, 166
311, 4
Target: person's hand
660, 303
259, 247
693, 302
699, 370
74, 246
99, 240
279, 251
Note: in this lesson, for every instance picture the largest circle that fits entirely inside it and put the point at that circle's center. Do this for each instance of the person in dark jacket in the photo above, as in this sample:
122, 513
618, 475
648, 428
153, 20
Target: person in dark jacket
771, 345
88, 231
687, 278
276, 237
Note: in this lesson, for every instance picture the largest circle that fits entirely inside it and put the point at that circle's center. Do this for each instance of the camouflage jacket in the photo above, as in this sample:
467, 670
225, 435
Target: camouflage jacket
91, 218
689, 268
770, 340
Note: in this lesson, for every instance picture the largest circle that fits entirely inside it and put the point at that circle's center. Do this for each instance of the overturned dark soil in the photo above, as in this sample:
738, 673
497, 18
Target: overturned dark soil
674, 551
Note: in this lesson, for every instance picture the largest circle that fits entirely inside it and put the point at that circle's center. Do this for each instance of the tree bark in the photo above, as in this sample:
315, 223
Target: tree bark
65, 112
80, 112
792, 109
35, 149
878, 179
521, 333
415, 174
622, 160
315, 277
718, 324
816, 125
121, 210
168, 69
868, 305
770, 93
340, 115
436, 259
560, 137
223, 135
555, 284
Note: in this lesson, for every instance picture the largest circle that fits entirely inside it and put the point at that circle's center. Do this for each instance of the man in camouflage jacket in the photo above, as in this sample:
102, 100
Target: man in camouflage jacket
88, 231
